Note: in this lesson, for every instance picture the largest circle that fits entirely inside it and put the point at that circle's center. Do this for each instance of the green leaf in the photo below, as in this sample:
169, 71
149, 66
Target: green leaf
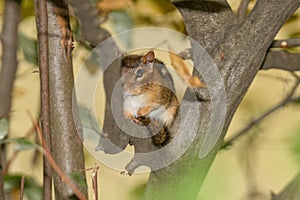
88, 119
12, 182
29, 47
122, 21
32, 190
296, 148
21, 143
297, 101
24, 144
3, 128
78, 178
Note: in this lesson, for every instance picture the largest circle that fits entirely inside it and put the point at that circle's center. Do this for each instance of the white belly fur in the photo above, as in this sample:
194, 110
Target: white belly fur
132, 104
161, 114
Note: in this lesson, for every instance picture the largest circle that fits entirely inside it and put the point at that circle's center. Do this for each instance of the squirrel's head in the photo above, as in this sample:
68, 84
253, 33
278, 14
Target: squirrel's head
140, 70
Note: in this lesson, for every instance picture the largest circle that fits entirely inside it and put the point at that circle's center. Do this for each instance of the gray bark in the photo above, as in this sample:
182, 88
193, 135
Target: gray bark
66, 144
238, 48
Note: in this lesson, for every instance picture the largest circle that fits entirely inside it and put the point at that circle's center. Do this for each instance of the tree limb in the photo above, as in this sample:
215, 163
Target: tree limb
290, 192
112, 135
291, 42
42, 30
243, 45
88, 18
2, 194
242, 10
9, 40
282, 60
206, 21
284, 102
66, 145
22, 187
52, 162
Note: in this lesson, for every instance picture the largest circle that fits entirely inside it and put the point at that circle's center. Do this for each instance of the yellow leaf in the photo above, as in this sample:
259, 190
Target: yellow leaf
111, 5
182, 70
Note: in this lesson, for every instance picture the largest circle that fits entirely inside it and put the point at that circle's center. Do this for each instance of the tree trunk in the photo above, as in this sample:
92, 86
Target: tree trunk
9, 40
66, 145
42, 37
238, 48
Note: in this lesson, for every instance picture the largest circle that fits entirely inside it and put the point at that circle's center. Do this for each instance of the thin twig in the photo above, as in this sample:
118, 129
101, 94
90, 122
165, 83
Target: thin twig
52, 162
2, 194
290, 192
95, 182
15, 153
42, 29
22, 187
288, 99
242, 10
285, 43
283, 60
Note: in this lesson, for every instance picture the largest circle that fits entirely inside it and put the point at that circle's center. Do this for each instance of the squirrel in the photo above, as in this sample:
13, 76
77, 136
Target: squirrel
149, 95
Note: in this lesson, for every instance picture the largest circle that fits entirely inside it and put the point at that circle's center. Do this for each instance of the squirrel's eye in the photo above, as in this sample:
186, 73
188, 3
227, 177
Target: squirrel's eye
139, 73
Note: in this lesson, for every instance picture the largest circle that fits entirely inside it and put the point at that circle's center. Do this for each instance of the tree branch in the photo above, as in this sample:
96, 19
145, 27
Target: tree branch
66, 145
112, 134
242, 10
290, 192
243, 45
95, 182
288, 99
291, 42
282, 60
9, 54
42, 30
22, 187
2, 194
52, 162
88, 18
264, 25
203, 18
8, 69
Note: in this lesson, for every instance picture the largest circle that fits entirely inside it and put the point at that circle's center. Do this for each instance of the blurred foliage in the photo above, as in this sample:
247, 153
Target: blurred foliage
108, 6
21, 144
122, 21
159, 13
78, 178
296, 147
29, 47
32, 190
3, 128
27, 8
138, 191
88, 119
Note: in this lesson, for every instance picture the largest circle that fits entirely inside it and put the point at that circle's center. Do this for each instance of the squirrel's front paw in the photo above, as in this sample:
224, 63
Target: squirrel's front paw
142, 121
128, 115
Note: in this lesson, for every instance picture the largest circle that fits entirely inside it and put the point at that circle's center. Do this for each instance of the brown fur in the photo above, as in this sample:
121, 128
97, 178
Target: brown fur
156, 84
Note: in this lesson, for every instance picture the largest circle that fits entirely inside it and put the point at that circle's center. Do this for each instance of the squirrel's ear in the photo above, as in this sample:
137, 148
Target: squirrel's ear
149, 57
